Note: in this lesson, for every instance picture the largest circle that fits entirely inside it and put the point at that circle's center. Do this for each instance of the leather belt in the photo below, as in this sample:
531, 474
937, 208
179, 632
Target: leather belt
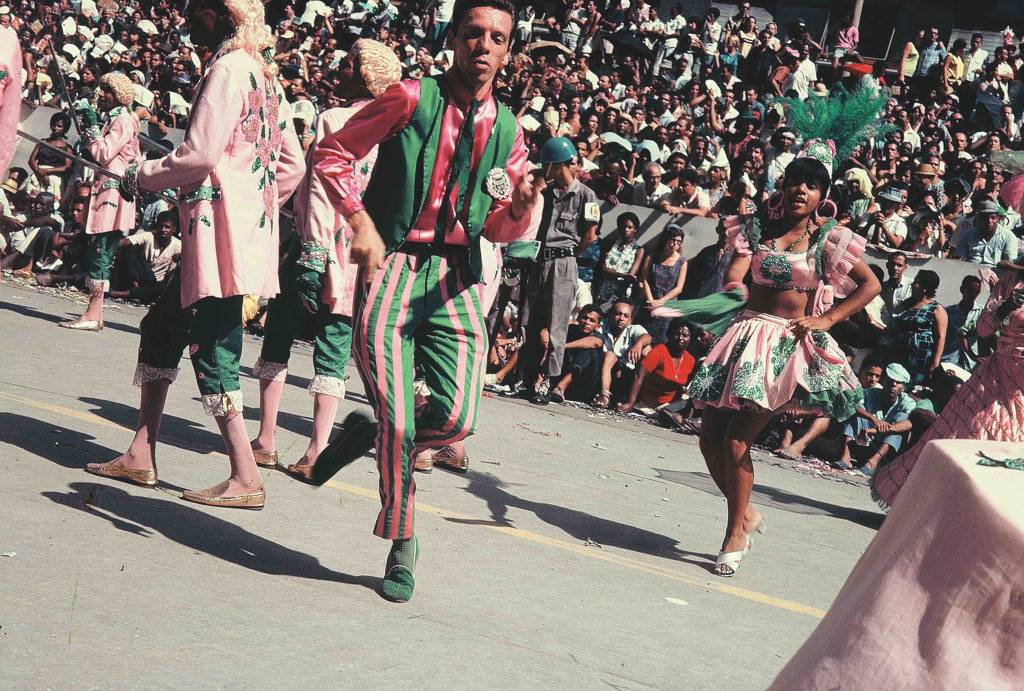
557, 252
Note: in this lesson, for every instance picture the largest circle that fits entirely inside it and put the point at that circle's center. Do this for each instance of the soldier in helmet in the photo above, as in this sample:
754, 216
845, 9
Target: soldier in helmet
570, 222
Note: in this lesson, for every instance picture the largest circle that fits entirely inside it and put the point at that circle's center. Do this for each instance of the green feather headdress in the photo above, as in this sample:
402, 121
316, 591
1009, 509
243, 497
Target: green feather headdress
831, 127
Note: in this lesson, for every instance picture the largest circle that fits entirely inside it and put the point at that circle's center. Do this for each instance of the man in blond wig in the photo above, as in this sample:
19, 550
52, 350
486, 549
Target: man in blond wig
111, 215
240, 160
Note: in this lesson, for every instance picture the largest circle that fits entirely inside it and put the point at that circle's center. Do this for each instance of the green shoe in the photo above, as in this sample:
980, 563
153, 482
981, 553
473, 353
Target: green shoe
399, 581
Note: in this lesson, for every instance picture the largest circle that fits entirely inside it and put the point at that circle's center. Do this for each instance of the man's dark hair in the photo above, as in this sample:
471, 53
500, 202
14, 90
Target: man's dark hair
463, 7
168, 215
587, 309
689, 175
974, 36
970, 278
873, 361
896, 254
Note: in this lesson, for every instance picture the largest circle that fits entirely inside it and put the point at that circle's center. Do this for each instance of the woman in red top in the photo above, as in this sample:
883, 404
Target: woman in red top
665, 370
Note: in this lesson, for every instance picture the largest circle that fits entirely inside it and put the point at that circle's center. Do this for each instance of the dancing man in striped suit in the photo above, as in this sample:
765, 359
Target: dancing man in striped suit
451, 169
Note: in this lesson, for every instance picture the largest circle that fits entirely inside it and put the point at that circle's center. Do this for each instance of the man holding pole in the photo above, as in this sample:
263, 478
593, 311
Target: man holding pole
111, 215
239, 161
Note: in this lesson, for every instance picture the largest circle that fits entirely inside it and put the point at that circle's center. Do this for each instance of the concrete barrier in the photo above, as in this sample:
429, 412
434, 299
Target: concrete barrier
36, 121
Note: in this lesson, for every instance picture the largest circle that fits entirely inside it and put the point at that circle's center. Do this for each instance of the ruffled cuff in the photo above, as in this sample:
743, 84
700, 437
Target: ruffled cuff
270, 371
314, 257
328, 386
130, 180
736, 236
146, 373
221, 404
96, 285
841, 251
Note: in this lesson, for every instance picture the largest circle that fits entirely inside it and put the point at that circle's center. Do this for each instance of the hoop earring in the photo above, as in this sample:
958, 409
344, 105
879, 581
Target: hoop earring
819, 217
775, 206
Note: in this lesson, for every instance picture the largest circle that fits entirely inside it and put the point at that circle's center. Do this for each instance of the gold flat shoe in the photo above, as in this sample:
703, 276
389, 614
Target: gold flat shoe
300, 471
145, 478
208, 497
80, 325
265, 459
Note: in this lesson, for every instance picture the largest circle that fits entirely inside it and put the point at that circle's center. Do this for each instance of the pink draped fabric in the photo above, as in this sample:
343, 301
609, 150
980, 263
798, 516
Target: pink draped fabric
387, 115
937, 599
10, 95
240, 160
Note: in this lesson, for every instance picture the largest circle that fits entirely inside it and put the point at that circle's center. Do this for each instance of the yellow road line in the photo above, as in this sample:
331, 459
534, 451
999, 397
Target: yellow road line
519, 533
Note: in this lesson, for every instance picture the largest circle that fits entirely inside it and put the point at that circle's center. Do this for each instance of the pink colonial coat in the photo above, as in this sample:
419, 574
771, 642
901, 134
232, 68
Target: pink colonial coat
115, 149
10, 95
318, 221
240, 160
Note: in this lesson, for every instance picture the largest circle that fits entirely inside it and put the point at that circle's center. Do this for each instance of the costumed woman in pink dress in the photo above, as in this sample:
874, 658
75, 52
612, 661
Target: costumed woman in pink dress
111, 214
240, 160
316, 275
776, 354
990, 405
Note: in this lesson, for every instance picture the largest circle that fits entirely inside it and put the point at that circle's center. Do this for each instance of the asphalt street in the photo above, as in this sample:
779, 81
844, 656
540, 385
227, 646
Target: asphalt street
574, 554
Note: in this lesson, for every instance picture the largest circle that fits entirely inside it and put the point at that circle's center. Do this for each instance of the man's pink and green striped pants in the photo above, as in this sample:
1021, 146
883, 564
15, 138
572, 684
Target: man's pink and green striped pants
420, 310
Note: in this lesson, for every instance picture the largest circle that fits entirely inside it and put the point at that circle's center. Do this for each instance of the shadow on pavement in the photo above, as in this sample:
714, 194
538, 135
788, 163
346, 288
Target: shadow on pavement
578, 524
65, 447
174, 431
56, 318
197, 530
764, 495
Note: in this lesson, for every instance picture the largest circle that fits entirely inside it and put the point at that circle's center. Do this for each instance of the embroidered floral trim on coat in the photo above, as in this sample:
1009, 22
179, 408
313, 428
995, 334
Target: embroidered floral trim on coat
262, 128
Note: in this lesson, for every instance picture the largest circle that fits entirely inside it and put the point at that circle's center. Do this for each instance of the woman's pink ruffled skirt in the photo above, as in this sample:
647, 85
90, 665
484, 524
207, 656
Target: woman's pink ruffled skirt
759, 364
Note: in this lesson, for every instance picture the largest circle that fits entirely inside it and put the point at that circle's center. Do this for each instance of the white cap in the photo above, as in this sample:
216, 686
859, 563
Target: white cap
5, 10
101, 46
71, 50
148, 27
69, 27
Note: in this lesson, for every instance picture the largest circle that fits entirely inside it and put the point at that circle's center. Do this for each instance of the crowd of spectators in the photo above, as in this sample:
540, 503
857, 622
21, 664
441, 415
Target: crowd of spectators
672, 113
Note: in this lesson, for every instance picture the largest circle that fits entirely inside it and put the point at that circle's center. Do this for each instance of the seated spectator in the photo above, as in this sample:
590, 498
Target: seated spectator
663, 373
503, 355
650, 191
886, 228
156, 254
688, 199
48, 166
918, 331
929, 234
581, 365
980, 240
814, 433
625, 344
617, 272
896, 288
879, 425
31, 235
662, 276
961, 347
